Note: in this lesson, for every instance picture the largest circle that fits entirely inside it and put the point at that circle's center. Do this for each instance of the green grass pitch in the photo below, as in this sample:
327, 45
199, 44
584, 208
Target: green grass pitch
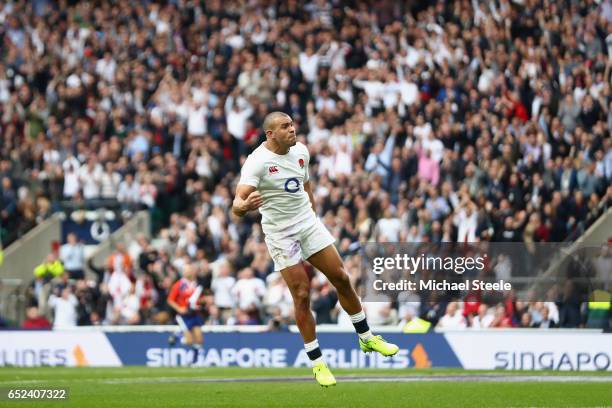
241, 387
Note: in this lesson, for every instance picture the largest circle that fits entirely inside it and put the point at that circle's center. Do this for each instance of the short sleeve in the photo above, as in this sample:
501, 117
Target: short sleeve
250, 173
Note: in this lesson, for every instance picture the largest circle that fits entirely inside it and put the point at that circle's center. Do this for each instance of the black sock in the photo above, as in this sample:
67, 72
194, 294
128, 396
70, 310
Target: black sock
196, 353
361, 326
313, 350
314, 354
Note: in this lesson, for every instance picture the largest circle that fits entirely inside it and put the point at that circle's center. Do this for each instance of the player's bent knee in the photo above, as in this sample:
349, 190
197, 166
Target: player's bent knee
341, 280
301, 297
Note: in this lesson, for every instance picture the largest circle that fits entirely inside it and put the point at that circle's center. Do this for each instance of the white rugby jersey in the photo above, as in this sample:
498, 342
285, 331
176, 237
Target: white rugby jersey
280, 181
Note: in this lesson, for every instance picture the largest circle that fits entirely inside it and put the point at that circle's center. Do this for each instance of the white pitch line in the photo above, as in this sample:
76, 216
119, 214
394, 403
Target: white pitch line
476, 378
492, 378
459, 378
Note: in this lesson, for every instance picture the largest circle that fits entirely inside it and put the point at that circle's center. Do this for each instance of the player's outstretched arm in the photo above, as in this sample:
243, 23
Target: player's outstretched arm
247, 199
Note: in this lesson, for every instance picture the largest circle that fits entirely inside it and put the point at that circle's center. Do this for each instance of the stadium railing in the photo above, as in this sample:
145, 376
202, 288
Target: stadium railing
598, 234
23, 255
12, 299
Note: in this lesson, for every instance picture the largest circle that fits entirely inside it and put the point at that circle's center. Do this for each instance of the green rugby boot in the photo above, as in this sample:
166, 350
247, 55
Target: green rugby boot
377, 343
323, 376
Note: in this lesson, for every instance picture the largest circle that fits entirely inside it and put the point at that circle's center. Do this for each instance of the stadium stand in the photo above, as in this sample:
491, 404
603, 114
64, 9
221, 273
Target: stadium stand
427, 121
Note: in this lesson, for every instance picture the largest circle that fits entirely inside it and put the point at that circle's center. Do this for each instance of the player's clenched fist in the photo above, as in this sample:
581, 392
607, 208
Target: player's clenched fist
247, 199
254, 201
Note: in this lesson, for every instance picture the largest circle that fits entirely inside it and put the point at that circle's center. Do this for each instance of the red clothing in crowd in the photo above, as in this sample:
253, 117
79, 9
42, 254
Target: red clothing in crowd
471, 303
36, 323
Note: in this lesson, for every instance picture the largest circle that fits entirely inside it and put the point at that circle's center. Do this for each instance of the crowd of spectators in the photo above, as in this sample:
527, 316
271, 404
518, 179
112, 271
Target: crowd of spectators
426, 121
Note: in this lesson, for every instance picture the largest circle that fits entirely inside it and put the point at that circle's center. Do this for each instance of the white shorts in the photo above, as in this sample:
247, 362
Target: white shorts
289, 247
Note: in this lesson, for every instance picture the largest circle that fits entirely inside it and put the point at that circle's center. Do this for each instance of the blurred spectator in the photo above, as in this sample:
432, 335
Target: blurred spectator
51, 268
278, 298
409, 308
483, 319
64, 309
599, 310
72, 255
92, 302
570, 307
546, 322
222, 287
388, 227
90, 177
501, 318
120, 260
8, 199
453, 318
466, 220
243, 317
34, 320
109, 182
214, 316
526, 320
380, 313
248, 293
126, 308
147, 295
119, 289
277, 322
128, 193
324, 303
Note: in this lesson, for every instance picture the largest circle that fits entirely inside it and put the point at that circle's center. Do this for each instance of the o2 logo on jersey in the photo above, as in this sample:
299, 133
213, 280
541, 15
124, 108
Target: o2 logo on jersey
292, 185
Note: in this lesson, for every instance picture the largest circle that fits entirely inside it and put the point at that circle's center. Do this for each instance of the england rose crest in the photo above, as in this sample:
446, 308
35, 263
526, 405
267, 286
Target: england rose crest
301, 162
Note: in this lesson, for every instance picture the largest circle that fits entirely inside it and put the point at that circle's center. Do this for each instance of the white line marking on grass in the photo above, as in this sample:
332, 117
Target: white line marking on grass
460, 378
492, 378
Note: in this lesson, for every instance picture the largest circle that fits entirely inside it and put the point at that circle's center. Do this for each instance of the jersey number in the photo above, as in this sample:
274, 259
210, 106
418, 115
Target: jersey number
292, 185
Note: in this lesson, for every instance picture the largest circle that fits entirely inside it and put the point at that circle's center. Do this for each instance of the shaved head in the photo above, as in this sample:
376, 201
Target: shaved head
280, 132
270, 119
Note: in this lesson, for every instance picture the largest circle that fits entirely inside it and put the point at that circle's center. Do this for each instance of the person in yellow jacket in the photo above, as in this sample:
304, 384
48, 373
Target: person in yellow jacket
412, 323
598, 310
416, 325
51, 268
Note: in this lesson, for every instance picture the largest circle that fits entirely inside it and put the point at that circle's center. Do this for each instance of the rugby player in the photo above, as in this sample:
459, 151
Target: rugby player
275, 180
